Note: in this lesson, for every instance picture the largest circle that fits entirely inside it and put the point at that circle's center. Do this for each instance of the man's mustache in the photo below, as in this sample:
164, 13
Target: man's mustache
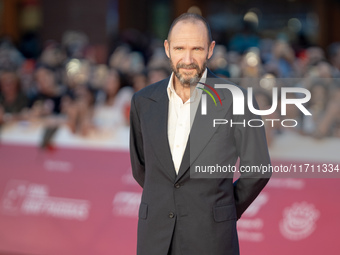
192, 65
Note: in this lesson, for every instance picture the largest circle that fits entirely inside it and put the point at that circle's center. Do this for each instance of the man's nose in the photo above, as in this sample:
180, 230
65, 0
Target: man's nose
187, 58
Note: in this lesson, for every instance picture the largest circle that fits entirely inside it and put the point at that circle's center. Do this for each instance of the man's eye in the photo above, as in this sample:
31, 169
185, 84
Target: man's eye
178, 48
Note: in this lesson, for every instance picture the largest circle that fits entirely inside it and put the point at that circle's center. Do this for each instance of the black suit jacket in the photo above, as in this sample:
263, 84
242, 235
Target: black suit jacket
200, 212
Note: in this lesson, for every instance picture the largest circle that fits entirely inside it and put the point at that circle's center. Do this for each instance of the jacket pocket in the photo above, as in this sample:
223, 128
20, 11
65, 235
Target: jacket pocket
224, 213
143, 211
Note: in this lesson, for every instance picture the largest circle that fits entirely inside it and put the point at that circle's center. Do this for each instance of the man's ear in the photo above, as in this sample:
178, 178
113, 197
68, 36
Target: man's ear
167, 48
211, 49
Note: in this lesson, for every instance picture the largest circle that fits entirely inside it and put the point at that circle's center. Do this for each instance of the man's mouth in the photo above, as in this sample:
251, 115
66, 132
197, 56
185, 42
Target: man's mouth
188, 69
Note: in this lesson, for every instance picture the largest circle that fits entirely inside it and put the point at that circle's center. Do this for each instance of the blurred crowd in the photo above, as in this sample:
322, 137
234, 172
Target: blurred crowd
65, 84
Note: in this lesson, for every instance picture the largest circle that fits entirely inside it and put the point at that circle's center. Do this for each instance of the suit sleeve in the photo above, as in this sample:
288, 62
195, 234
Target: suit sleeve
252, 149
136, 145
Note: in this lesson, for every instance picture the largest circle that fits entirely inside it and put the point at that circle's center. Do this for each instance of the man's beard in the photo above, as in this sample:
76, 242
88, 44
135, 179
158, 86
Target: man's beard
192, 81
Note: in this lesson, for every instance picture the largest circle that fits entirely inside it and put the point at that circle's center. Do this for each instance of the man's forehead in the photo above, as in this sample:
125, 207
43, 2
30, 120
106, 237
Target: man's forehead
189, 31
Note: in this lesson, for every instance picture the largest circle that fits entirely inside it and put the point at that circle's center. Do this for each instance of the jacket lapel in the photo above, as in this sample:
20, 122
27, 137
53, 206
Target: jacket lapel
158, 128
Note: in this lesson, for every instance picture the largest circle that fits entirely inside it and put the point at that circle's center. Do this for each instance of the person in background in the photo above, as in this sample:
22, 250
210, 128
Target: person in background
47, 98
317, 105
157, 74
79, 111
109, 111
139, 81
329, 124
12, 100
334, 58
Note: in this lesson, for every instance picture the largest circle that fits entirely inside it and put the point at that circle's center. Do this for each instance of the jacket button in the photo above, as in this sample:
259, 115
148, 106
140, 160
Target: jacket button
171, 215
177, 185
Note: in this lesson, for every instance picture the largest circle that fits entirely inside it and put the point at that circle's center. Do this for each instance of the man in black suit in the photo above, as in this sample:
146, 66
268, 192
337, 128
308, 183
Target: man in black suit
182, 211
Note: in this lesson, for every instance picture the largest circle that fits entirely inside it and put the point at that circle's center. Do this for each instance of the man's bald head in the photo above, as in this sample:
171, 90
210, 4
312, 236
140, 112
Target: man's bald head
194, 18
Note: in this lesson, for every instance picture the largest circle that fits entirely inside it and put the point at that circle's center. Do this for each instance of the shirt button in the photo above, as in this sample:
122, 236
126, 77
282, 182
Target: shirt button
177, 185
171, 215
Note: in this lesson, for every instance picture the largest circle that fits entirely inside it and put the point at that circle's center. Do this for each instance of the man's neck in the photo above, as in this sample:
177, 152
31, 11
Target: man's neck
181, 91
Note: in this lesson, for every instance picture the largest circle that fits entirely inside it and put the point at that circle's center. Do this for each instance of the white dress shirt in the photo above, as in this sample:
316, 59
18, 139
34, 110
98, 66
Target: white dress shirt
179, 121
